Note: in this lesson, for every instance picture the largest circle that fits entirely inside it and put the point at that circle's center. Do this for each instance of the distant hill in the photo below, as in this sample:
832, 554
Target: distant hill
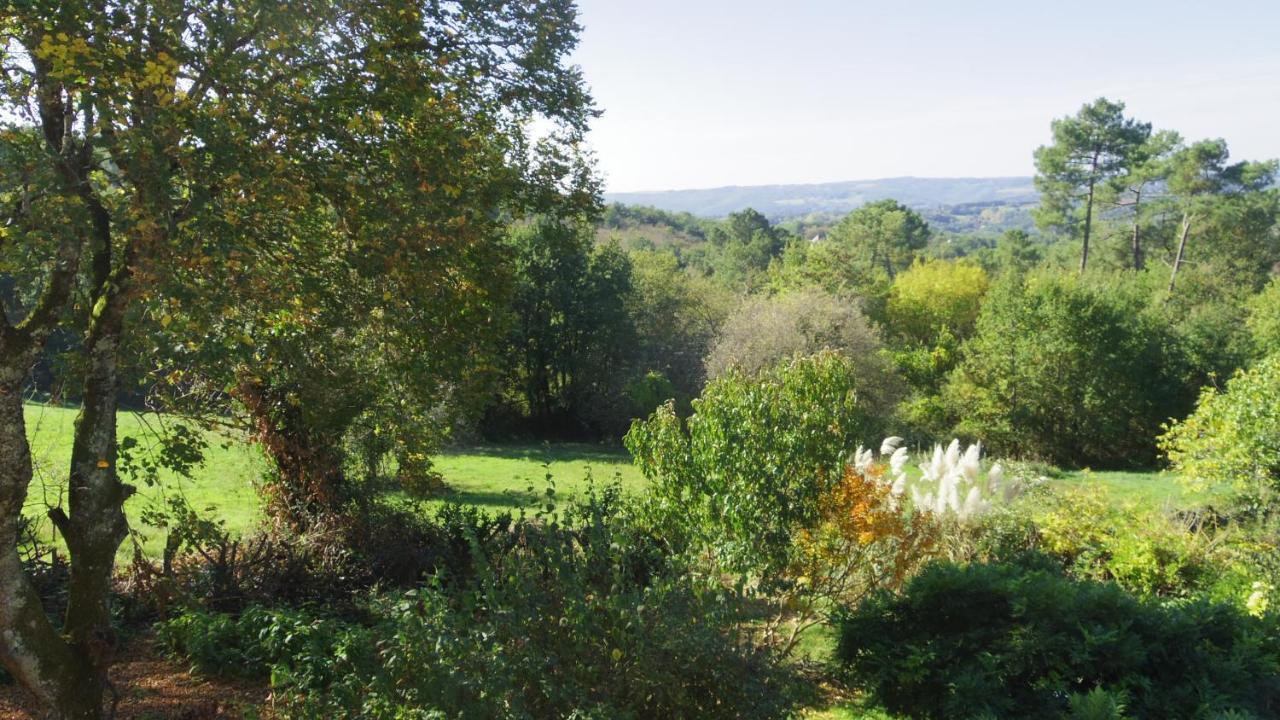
787, 201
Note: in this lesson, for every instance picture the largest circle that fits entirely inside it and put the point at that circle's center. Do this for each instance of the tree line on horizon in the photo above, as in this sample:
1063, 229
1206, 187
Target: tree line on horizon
335, 232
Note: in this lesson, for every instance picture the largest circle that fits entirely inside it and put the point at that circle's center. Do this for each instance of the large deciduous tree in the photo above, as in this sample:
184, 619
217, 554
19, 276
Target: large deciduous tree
169, 154
861, 255
1089, 149
572, 342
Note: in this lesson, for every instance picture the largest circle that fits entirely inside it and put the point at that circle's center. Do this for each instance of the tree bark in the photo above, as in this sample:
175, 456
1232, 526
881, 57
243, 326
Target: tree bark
310, 483
65, 668
1088, 223
31, 648
1182, 249
97, 524
1137, 237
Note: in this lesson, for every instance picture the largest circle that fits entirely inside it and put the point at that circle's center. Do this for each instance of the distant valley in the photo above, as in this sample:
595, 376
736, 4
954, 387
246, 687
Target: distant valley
789, 201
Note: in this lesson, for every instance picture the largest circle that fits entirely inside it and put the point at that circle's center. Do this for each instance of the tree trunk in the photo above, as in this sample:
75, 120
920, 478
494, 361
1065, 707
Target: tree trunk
1088, 223
1137, 237
97, 524
1182, 249
31, 648
65, 668
309, 482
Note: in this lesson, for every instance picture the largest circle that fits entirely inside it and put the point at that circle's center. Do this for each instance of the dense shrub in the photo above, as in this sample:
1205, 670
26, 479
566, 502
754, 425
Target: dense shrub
750, 464
931, 296
765, 331
579, 618
1263, 318
1144, 550
1022, 640
932, 309
1234, 434
1070, 371
864, 540
375, 543
677, 313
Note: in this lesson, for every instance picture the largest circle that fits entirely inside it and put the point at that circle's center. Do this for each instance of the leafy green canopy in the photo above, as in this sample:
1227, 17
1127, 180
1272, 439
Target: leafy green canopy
932, 296
572, 339
280, 187
748, 467
1234, 434
353, 280
1072, 371
861, 255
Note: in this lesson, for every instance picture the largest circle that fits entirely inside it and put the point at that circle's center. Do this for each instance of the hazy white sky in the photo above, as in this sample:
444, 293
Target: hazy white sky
702, 93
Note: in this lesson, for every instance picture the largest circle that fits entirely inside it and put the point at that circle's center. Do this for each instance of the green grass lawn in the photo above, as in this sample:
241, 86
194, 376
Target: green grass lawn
1147, 489
497, 477
225, 481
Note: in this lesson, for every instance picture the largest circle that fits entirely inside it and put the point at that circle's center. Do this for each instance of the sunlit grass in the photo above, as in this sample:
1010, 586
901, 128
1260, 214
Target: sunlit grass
495, 477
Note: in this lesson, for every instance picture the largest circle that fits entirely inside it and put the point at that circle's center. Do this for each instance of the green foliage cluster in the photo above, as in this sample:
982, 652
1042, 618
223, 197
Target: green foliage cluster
1263, 318
1068, 370
1145, 551
765, 331
861, 255
932, 296
1021, 640
582, 617
1234, 434
570, 328
741, 248
748, 467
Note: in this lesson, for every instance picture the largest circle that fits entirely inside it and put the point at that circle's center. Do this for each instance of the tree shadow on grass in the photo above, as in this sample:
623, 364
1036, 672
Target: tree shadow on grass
547, 452
502, 500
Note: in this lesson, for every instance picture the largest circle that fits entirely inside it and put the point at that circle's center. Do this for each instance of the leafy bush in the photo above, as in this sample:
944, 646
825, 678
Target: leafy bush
766, 331
1145, 551
1021, 641
581, 617
1263, 319
863, 540
677, 314
1234, 435
1074, 372
751, 463
932, 296
373, 543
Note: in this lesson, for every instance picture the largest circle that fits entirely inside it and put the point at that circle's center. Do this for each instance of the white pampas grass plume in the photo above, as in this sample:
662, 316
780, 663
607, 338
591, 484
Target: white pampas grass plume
862, 459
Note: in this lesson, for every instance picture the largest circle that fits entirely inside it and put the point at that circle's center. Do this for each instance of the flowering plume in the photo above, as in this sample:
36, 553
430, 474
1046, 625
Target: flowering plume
950, 483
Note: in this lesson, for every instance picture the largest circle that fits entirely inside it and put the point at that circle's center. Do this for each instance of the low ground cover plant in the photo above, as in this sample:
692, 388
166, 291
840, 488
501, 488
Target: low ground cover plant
1023, 640
582, 616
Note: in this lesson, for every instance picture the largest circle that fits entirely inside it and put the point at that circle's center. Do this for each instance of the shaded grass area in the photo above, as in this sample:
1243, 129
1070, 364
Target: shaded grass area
495, 477
504, 477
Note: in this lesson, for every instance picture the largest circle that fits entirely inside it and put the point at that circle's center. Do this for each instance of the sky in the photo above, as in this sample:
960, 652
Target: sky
707, 93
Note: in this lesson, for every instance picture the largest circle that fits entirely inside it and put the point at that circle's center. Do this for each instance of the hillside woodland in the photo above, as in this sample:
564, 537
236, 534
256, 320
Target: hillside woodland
879, 449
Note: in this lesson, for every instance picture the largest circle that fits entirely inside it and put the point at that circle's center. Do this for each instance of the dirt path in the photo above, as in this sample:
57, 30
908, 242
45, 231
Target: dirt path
153, 687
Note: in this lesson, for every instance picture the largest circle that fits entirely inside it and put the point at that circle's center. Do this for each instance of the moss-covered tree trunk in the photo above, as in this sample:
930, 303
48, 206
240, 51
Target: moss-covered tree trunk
96, 526
308, 481
65, 668
31, 648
